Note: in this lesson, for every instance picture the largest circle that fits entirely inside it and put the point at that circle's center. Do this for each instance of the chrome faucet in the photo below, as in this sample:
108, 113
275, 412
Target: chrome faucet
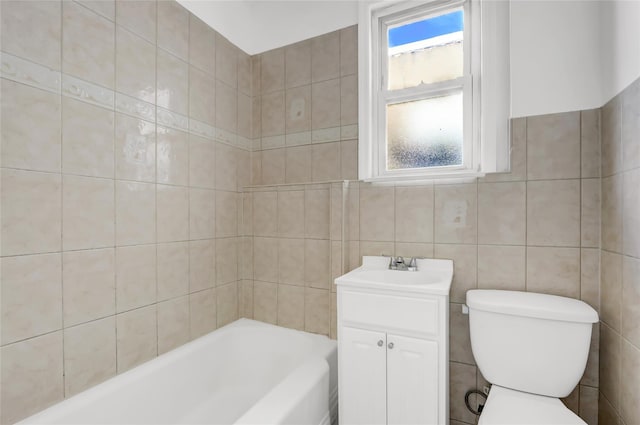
398, 263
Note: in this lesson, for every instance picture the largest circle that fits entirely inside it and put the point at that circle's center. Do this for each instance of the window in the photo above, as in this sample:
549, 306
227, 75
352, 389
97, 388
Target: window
421, 112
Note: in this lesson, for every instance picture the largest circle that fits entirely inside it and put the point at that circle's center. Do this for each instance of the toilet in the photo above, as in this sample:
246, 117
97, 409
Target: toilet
533, 349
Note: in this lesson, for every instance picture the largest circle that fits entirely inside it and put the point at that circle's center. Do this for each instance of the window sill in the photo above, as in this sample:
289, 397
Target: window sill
440, 178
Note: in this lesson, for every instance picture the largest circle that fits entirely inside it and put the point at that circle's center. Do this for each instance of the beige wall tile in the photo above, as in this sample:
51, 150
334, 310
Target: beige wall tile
554, 271
606, 413
630, 126
317, 311
266, 206
298, 64
243, 169
202, 41
226, 167
630, 385
291, 261
173, 324
349, 159
202, 307
317, 265
291, 308
298, 109
589, 404
590, 213
590, 142
631, 300
89, 355
172, 213
32, 31
226, 214
465, 266
459, 339
135, 147
325, 56
349, 50
631, 213
88, 45
611, 137
271, 71
501, 267
245, 256
226, 61
502, 213
172, 156
137, 337
265, 259
227, 298
25, 145
349, 100
31, 212
325, 162
325, 104
246, 299
244, 73
173, 270
553, 213
106, 8
372, 248
87, 139
256, 116
173, 28
244, 115
553, 146
610, 365
462, 378
31, 296
611, 224
377, 213
202, 224
518, 154
202, 265
265, 302
590, 277
316, 212
273, 113
87, 213
136, 283
456, 213
298, 164
135, 62
273, 166
591, 372
226, 260
138, 16
414, 214
32, 376
89, 288
226, 107
172, 86
135, 213
572, 401
610, 289
202, 92
408, 250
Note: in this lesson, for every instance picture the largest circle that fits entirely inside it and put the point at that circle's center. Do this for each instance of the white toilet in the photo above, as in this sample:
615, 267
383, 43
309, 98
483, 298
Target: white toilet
533, 348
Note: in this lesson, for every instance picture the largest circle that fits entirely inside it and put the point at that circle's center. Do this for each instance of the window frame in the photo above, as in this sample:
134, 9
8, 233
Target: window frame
485, 144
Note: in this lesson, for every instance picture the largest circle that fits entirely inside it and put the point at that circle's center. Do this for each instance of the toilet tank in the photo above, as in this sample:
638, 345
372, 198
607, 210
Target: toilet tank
530, 342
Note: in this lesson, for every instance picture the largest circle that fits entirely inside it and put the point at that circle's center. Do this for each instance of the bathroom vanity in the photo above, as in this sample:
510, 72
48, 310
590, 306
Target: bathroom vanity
393, 343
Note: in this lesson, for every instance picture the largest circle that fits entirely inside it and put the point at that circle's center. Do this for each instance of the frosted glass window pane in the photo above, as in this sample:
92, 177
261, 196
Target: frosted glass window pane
427, 51
425, 133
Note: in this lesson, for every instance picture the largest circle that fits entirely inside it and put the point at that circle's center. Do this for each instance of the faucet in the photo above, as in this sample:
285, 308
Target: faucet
398, 263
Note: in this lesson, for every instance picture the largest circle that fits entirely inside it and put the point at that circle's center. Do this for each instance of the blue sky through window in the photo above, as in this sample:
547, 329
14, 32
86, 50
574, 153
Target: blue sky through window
426, 29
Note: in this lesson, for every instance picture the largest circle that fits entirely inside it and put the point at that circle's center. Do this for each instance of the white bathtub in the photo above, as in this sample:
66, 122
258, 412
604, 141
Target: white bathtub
247, 372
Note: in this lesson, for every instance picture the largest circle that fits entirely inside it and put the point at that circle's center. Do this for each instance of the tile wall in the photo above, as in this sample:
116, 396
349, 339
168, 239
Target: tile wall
620, 260
126, 136
536, 228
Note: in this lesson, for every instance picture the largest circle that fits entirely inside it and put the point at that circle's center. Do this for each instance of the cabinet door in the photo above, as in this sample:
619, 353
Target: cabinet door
363, 372
412, 381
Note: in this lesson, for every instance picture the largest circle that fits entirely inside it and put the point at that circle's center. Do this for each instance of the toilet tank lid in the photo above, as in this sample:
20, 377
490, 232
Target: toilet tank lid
531, 304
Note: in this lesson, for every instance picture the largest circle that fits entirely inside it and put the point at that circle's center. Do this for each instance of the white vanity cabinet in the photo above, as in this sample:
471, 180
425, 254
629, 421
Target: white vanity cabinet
393, 346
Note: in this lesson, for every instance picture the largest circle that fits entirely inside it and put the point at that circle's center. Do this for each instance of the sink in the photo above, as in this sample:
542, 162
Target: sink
433, 276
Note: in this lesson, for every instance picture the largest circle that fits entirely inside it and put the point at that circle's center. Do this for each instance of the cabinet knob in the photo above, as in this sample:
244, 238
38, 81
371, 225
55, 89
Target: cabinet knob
390, 345
380, 343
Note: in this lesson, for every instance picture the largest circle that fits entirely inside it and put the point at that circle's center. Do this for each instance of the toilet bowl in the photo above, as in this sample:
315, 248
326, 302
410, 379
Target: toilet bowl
533, 349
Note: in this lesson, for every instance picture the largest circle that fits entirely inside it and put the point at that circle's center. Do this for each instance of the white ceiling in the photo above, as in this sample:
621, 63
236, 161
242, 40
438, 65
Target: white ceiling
258, 26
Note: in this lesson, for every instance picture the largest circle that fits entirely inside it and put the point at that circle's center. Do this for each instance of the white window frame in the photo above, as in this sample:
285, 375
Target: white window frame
486, 143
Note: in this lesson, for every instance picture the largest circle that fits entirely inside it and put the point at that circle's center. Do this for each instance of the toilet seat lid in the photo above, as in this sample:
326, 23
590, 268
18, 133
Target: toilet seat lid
510, 407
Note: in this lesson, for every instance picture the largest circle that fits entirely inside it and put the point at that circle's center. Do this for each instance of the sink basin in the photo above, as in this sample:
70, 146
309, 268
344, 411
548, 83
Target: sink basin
432, 277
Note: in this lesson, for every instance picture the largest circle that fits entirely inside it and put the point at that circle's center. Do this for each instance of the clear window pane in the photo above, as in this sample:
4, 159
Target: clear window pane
425, 133
427, 51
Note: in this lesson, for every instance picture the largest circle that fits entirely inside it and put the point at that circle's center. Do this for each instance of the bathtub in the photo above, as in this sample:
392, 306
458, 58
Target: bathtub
247, 372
